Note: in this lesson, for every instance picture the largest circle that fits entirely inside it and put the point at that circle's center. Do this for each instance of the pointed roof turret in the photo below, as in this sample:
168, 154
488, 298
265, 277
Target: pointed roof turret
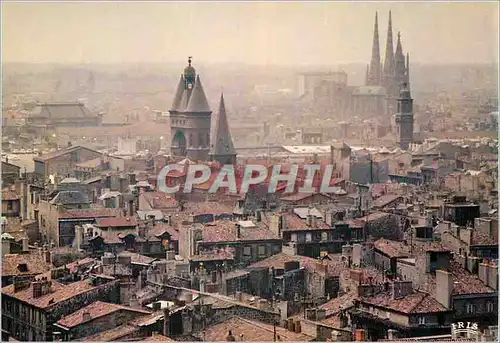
408, 69
222, 144
375, 62
178, 95
198, 100
389, 50
399, 49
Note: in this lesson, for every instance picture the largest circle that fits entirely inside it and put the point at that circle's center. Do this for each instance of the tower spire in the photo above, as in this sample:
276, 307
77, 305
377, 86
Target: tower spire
389, 52
222, 148
375, 72
408, 70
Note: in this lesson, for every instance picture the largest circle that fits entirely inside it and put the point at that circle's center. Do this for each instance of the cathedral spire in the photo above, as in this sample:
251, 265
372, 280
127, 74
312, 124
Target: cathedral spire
367, 75
375, 72
408, 70
222, 148
399, 49
389, 51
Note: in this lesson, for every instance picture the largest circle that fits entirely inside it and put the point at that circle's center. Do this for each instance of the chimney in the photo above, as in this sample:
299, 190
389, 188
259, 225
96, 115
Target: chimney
238, 296
238, 230
356, 253
331, 154
48, 256
78, 236
360, 335
26, 244
37, 289
258, 216
86, 316
401, 289
170, 255
391, 334
310, 220
131, 208
444, 288
166, 322
5, 247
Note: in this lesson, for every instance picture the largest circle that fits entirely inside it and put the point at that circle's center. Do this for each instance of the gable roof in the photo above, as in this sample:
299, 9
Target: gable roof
49, 156
63, 110
70, 198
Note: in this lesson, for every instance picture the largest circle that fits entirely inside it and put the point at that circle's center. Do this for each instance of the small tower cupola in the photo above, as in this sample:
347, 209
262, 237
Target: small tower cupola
189, 74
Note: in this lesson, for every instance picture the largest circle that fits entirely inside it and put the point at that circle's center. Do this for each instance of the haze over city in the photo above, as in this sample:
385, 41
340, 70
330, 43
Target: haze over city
253, 33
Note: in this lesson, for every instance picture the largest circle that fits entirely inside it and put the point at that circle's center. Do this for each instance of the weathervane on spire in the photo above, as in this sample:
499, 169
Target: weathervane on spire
189, 60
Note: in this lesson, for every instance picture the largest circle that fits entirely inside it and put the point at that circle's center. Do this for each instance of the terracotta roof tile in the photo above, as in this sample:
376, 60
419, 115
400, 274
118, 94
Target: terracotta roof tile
294, 223
156, 337
251, 331
90, 213
116, 222
58, 293
96, 310
207, 207
12, 264
480, 238
417, 302
392, 248
342, 302
112, 335
225, 231
334, 266
160, 200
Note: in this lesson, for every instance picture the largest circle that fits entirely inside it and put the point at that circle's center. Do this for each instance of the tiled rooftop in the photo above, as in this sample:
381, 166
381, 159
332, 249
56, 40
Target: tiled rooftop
159, 200
116, 222
392, 248
294, 223
278, 262
416, 302
35, 264
207, 207
112, 335
59, 293
95, 310
385, 200
90, 213
225, 231
251, 331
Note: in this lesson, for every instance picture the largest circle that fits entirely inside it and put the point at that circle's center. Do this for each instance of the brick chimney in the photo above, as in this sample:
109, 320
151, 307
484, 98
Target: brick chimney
444, 288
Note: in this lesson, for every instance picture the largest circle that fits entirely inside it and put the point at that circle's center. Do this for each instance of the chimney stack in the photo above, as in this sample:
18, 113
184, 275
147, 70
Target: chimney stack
86, 316
444, 288
238, 231
166, 322
26, 245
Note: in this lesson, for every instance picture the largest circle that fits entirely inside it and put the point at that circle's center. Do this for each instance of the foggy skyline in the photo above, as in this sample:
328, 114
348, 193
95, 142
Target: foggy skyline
252, 33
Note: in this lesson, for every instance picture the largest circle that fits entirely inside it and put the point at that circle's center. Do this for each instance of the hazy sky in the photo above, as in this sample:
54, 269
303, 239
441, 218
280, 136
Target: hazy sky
257, 33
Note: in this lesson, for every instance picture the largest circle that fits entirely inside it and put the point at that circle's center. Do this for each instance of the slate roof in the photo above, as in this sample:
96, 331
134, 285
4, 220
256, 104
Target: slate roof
178, 95
69, 110
70, 198
198, 100
49, 156
222, 143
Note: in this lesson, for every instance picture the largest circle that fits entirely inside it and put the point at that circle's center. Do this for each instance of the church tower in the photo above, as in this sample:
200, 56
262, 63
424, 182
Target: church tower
222, 148
404, 118
190, 117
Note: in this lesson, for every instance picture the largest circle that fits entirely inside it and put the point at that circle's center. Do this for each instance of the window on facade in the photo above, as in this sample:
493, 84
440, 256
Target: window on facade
324, 236
308, 237
247, 251
469, 308
9, 206
489, 306
294, 237
262, 250
421, 320
276, 249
